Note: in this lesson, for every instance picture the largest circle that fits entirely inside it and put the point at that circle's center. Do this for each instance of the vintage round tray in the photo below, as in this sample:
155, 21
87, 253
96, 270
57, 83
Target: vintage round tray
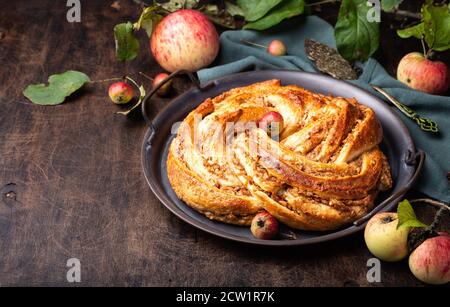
397, 144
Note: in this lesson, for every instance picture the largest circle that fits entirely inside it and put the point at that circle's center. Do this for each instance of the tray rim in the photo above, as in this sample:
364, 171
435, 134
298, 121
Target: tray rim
167, 202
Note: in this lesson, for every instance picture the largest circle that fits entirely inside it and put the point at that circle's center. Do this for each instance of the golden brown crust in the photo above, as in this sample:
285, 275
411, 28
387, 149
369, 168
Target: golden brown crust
207, 199
324, 172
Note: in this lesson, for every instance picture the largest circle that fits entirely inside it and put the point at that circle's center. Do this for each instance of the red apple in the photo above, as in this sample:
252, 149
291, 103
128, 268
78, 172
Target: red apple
120, 92
430, 261
272, 123
166, 87
423, 74
185, 39
277, 48
264, 226
384, 240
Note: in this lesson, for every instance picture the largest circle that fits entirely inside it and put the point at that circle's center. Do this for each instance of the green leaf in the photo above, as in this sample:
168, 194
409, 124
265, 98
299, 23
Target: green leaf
59, 87
287, 9
148, 20
233, 9
437, 26
127, 46
434, 28
149, 24
356, 37
406, 216
390, 5
255, 9
417, 31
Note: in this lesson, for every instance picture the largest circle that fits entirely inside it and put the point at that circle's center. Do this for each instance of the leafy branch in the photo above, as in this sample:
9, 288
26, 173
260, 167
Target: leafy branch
433, 30
127, 45
357, 37
421, 232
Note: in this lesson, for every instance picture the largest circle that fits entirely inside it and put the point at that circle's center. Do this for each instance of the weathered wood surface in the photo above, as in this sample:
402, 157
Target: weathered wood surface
72, 185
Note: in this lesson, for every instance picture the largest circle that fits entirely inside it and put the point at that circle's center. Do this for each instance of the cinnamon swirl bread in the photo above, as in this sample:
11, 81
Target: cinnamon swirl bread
323, 172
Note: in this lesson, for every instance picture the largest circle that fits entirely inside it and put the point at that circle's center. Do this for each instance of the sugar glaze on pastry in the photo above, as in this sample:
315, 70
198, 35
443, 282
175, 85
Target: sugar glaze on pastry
323, 173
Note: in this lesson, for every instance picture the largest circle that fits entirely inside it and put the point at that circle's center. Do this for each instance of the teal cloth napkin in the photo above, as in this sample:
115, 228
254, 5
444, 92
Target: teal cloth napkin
236, 56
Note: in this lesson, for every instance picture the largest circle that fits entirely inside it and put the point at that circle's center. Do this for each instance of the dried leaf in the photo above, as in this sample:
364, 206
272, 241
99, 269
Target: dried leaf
175, 5
220, 17
329, 61
233, 9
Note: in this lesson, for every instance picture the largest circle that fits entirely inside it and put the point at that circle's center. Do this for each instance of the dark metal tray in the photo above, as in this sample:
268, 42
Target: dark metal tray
397, 144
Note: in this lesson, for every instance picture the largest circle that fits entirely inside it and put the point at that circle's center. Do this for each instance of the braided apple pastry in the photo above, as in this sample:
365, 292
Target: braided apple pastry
323, 172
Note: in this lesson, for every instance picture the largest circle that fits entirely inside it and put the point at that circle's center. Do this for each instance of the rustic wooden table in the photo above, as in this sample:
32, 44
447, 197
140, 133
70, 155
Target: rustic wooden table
72, 185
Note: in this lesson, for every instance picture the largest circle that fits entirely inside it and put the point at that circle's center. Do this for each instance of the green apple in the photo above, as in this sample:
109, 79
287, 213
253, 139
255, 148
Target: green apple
384, 240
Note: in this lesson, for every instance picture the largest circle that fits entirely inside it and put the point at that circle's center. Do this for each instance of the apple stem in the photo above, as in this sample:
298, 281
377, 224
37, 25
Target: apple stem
407, 14
431, 202
321, 2
132, 81
106, 80
417, 236
425, 53
253, 44
146, 76
437, 218
288, 235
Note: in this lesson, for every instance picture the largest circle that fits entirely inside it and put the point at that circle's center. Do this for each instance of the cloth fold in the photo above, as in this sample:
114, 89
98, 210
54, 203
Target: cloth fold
235, 56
